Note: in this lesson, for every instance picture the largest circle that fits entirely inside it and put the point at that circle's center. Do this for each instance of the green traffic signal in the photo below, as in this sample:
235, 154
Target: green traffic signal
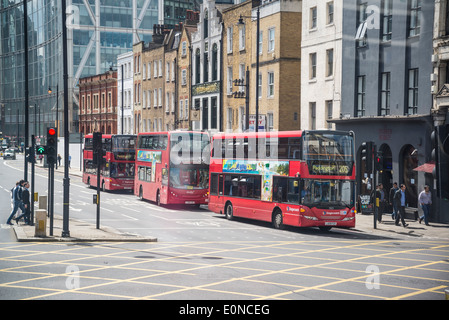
41, 150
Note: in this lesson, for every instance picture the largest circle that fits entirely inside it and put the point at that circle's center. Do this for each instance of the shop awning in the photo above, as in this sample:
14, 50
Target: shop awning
426, 167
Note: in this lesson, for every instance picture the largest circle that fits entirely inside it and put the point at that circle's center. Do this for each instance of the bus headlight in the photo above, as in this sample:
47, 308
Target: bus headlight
348, 219
310, 217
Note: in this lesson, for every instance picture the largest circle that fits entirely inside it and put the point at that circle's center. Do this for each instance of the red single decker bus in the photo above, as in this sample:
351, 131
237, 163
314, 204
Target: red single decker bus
117, 171
296, 178
173, 167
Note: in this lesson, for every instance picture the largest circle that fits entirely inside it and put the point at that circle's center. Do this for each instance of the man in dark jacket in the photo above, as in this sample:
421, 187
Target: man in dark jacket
400, 201
16, 201
26, 203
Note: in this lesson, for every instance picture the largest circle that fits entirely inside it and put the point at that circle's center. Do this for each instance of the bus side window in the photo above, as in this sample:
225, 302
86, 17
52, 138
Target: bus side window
214, 184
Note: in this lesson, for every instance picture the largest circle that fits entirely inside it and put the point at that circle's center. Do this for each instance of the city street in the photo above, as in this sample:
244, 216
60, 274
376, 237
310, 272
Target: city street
200, 255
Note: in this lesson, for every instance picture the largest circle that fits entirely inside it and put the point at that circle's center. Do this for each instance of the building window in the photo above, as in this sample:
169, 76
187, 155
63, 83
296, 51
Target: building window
387, 19
160, 98
186, 107
312, 110
329, 62
412, 91
414, 26
242, 34
270, 84
361, 25
229, 86
183, 77
271, 34
229, 36
260, 85
330, 12
329, 111
214, 113
360, 96
181, 109
205, 114
385, 94
260, 42
229, 119
184, 48
206, 25
167, 71
270, 121
312, 66
206, 67
160, 68
197, 66
313, 18
214, 62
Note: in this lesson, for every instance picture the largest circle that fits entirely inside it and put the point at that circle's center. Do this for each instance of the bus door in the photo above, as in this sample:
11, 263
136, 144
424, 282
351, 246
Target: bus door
220, 190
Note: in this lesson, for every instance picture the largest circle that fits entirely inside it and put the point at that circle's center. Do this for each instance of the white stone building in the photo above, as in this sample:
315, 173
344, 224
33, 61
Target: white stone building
321, 54
125, 60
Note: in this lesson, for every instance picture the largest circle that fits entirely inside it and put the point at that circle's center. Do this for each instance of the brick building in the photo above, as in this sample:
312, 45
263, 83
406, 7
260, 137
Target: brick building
98, 103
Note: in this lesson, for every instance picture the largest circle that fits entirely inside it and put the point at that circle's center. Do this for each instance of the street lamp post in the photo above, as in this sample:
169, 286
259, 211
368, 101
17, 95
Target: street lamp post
66, 180
256, 127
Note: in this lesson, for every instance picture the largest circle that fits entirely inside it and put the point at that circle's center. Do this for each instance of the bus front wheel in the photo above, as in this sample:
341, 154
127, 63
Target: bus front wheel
229, 211
277, 219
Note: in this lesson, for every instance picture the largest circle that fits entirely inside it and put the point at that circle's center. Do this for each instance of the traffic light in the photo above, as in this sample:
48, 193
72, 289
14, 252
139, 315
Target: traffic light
29, 153
379, 161
51, 145
367, 155
440, 155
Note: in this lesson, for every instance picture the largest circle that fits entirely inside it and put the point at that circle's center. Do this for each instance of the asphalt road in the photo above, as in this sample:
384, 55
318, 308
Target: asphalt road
202, 256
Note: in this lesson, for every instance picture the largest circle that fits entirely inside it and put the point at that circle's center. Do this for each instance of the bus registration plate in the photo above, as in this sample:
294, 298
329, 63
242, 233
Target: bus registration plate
330, 223
190, 202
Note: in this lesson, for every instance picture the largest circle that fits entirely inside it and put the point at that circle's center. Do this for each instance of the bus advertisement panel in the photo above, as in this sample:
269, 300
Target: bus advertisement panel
117, 169
173, 167
278, 177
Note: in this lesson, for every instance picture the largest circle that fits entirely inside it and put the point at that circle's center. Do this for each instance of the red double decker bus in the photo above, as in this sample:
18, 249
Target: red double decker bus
296, 178
173, 167
117, 170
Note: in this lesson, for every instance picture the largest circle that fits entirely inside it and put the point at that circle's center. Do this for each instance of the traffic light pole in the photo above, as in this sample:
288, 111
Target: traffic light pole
51, 173
99, 156
33, 145
376, 200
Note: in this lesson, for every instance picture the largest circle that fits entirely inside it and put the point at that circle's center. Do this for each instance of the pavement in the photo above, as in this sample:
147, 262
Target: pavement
78, 230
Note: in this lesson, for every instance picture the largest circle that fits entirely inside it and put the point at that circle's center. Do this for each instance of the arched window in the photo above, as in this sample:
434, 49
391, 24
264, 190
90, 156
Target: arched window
214, 62
197, 66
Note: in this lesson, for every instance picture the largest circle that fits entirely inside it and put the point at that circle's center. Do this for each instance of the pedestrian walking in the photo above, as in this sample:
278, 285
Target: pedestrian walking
425, 200
390, 198
70, 159
382, 201
400, 199
26, 203
59, 159
16, 201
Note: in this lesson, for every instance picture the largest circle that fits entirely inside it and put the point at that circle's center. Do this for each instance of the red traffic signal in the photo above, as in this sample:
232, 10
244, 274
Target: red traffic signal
51, 131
